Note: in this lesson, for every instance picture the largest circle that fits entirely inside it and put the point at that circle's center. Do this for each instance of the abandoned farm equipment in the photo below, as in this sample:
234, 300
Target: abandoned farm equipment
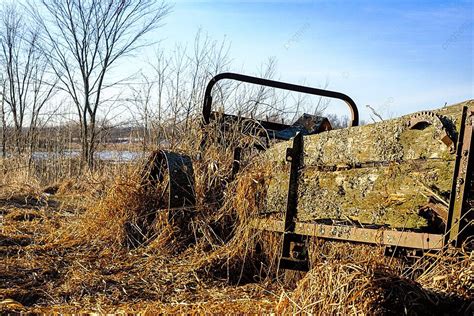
404, 183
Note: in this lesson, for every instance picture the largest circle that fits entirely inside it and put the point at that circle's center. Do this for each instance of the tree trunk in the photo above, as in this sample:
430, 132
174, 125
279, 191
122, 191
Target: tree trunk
4, 128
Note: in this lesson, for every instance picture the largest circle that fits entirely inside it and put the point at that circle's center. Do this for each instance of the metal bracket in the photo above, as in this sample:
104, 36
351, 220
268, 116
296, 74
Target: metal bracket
294, 254
461, 213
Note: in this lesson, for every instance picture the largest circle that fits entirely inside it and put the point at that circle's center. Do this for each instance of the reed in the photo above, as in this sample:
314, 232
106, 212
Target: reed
75, 243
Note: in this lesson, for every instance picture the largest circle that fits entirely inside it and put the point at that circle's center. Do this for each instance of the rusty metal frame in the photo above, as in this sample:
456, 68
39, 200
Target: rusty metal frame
460, 213
289, 259
407, 239
207, 108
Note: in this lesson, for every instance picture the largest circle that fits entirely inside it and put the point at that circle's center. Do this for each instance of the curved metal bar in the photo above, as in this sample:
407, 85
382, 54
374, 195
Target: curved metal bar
181, 192
206, 112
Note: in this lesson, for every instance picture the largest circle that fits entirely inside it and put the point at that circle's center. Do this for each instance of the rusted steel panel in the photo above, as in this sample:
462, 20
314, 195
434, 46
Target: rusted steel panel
386, 237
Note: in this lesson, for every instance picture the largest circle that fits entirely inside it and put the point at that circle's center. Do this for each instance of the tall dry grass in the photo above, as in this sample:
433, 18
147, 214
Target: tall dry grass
106, 251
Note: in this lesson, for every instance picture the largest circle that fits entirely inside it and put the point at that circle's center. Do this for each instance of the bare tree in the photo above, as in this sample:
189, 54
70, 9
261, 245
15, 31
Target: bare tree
168, 99
141, 108
4, 121
28, 86
176, 89
160, 67
187, 73
250, 100
83, 40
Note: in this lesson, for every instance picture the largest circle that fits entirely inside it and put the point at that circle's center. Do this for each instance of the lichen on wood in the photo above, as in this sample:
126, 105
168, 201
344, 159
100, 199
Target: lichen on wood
382, 173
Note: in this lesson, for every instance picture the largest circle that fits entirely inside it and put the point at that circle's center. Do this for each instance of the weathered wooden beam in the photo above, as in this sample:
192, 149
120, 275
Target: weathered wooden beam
387, 173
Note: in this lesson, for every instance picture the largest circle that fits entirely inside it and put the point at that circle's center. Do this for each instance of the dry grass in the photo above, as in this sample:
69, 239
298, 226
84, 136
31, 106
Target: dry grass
83, 248
375, 285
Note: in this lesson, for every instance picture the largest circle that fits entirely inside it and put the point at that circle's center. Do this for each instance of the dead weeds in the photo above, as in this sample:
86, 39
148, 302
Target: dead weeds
82, 248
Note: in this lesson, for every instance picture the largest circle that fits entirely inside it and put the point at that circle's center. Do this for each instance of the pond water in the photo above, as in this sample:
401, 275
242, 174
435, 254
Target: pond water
105, 155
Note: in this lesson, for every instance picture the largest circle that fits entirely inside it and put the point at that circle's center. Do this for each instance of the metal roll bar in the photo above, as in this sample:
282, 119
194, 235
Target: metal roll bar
206, 111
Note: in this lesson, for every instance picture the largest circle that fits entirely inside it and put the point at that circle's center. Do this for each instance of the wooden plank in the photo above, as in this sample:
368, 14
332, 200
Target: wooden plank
378, 174
386, 237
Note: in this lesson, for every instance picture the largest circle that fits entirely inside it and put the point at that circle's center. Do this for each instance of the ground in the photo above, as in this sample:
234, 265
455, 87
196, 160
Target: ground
62, 249
39, 275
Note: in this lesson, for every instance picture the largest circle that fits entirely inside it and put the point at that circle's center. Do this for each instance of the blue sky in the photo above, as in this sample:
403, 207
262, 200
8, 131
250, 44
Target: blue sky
397, 56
